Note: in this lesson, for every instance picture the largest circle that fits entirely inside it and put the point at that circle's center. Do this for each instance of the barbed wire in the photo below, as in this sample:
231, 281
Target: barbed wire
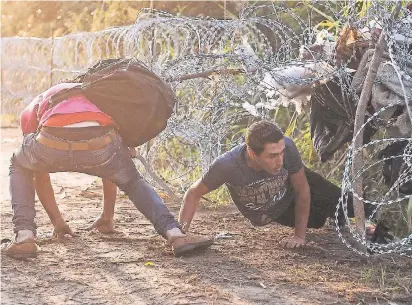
271, 56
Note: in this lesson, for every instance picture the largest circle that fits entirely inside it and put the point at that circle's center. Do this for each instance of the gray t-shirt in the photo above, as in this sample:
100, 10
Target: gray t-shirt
255, 193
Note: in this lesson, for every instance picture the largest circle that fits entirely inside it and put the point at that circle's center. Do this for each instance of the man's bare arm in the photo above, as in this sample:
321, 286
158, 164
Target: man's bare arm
45, 193
302, 208
302, 202
190, 203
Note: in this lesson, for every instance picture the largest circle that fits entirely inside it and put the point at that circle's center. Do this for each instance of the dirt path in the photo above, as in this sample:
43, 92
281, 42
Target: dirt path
134, 266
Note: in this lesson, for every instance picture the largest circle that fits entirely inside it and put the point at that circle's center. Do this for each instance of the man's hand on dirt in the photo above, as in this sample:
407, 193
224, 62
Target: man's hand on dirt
292, 242
61, 229
103, 225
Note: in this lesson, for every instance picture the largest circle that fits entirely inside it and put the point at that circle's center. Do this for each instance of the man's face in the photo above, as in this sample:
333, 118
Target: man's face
271, 158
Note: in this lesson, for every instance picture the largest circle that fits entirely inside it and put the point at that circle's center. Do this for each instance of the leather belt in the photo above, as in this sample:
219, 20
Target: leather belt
92, 144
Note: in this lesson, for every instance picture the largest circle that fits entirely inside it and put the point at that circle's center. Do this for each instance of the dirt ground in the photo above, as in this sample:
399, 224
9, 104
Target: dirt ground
135, 267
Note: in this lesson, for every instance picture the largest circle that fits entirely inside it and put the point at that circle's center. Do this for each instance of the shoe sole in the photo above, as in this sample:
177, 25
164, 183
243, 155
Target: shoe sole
192, 247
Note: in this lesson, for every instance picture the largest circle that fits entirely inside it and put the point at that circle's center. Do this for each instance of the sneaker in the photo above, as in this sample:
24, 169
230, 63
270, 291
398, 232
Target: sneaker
22, 250
189, 243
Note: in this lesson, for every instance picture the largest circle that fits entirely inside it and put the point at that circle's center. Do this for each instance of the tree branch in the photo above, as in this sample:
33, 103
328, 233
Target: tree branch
206, 74
359, 121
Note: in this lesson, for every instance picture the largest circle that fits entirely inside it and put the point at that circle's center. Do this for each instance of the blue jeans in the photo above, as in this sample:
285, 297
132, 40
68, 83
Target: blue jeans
112, 162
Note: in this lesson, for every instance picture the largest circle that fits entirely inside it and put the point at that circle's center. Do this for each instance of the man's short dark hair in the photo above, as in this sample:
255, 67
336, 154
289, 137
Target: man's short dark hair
260, 133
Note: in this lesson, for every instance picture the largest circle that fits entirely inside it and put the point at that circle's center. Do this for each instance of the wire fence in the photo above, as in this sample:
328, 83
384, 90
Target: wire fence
228, 72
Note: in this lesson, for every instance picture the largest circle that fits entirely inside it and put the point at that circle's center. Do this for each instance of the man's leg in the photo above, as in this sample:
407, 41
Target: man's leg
316, 218
118, 167
121, 170
22, 200
324, 196
24, 162
149, 203
22, 197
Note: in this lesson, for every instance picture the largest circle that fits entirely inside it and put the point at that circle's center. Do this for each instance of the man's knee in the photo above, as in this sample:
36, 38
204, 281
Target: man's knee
261, 221
17, 169
130, 184
316, 221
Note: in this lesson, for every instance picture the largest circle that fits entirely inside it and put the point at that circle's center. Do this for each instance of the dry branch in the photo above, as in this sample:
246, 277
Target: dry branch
359, 121
206, 74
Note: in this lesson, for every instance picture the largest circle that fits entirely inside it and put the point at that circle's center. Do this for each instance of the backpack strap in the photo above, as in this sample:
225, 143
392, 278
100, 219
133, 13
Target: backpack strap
64, 94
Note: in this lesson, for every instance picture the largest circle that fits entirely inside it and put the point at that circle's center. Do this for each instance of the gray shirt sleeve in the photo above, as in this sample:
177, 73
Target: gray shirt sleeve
216, 175
293, 160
